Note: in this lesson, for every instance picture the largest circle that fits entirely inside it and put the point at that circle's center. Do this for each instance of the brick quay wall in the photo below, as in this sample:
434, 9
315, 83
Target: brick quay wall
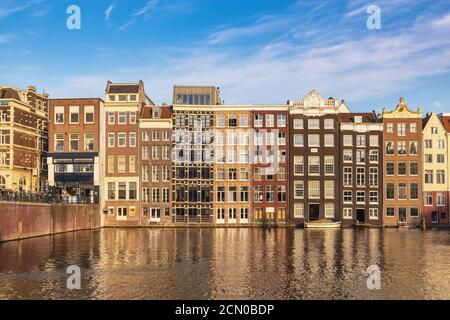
27, 220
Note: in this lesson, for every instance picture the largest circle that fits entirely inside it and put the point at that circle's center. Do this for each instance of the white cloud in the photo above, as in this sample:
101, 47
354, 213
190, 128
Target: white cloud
5, 12
108, 12
4, 38
148, 6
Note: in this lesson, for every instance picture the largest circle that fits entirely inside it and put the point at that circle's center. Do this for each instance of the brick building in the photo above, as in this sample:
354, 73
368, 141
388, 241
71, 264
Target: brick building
402, 166
75, 149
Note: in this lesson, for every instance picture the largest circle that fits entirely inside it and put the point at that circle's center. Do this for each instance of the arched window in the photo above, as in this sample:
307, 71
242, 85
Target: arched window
2, 182
22, 183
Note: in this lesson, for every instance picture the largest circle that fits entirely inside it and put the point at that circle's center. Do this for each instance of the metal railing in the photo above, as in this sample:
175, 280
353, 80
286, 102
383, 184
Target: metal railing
50, 196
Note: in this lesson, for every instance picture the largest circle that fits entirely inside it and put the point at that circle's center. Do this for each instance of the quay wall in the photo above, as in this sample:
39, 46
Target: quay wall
26, 220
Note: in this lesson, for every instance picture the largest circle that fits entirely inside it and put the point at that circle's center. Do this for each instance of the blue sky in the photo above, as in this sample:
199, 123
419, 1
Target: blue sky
256, 51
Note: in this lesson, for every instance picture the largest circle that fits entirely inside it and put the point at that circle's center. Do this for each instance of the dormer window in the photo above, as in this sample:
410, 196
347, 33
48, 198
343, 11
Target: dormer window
358, 119
132, 97
156, 113
112, 97
122, 97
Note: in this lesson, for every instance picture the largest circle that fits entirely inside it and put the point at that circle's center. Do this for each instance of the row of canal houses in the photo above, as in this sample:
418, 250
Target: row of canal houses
200, 161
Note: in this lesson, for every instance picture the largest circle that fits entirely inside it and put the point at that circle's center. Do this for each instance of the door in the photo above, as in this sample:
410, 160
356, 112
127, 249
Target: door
314, 212
402, 215
220, 218
155, 215
361, 215
435, 217
232, 215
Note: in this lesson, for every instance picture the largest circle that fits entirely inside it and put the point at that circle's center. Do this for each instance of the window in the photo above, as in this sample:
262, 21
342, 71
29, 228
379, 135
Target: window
374, 141
428, 158
360, 197
414, 191
122, 117
389, 147
360, 141
270, 120
298, 165
299, 211
390, 193
244, 174
122, 139
232, 174
414, 168
89, 114
348, 155
133, 117
298, 124
329, 140
402, 168
314, 189
348, 176
428, 176
401, 147
428, 144
348, 196
440, 158
258, 194
441, 144
73, 142
281, 138
111, 191
232, 120
111, 139
298, 140
270, 194
329, 124
232, 194
74, 114
413, 148
88, 142
401, 129
390, 212
360, 177
440, 176
440, 199
390, 127
59, 115
373, 177
428, 198
122, 97
402, 191
413, 127
414, 212
348, 213
111, 167
313, 124
145, 173
299, 190
373, 156
155, 194
111, 117
329, 165
348, 140
373, 197
145, 152
220, 194
329, 189
373, 214
121, 164
243, 121
281, 120
329, 210
155, 135
132, 139
122, 190
314, 165
132, 192
258, 120
314, 140
361, 156
165, 174
244, 194
281, 192
132, 164
59, 142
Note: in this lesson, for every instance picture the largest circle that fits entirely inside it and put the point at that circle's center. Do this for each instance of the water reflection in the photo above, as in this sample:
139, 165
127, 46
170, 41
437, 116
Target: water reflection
229, 264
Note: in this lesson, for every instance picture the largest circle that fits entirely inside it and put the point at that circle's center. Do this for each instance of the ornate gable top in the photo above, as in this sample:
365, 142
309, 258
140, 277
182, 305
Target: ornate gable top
402, 111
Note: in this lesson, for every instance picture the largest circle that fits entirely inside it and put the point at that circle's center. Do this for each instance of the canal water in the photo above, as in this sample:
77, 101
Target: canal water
229, 264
